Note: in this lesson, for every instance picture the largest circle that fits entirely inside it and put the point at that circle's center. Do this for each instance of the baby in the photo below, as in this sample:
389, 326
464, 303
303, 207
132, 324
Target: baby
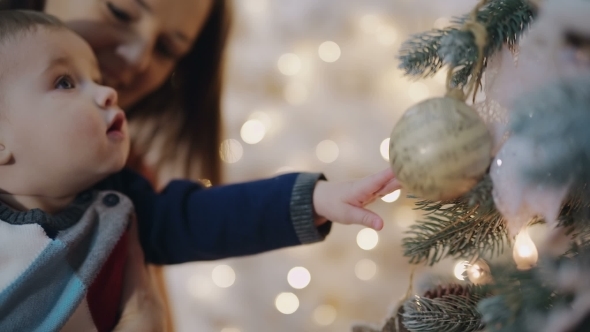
72, 255
70, 261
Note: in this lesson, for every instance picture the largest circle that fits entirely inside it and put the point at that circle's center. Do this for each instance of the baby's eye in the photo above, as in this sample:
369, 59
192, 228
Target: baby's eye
65, 83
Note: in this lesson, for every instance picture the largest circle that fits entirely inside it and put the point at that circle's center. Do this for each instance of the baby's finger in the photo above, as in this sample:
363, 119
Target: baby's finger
372, 184
389, 187
360, 216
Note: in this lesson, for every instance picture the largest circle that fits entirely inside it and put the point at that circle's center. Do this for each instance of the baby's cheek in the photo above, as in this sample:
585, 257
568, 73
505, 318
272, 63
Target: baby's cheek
84, 132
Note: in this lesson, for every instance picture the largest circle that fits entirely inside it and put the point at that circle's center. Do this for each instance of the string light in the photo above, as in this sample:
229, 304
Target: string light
324, 315
298, 277
327, 151
479, 272
253, 131
384, 149
223, 276
289, 64
329, 51
287, 303
525, 252
365, 269
392, 197
460, 269
367, 239
231, 151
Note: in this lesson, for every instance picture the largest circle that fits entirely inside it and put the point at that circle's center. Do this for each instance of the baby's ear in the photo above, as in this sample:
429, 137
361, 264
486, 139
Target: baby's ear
5, 154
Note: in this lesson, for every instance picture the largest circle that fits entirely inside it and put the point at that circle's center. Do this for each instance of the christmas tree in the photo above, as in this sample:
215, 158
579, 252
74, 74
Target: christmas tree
483, 171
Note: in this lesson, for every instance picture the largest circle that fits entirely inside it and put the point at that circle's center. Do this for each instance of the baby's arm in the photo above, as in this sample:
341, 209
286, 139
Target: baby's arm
187, 222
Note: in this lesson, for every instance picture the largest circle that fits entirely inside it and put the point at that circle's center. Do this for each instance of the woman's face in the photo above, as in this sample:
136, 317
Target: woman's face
137, 42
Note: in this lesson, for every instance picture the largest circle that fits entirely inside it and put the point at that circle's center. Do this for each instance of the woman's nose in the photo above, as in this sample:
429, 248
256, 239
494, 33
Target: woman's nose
106, 97
136, 54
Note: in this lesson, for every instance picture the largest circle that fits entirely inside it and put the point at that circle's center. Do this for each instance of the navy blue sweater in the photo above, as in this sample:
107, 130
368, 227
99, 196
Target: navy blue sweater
189, 222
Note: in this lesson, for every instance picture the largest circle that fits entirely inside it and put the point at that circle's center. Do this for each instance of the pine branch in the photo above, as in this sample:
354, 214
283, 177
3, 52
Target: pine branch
453, 312
467, 228
419, 55
424, 54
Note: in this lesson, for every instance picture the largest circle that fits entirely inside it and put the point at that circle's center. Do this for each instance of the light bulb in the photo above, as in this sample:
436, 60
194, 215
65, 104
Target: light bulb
525, 252
460, 269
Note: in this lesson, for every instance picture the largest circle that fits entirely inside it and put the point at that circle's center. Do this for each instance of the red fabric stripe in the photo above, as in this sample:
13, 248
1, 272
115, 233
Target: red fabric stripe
104, 295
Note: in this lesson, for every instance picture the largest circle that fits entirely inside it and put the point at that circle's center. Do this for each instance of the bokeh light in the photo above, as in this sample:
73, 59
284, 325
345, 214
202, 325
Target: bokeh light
327, 151
324, 315
289, 64
253, 131
299, 277
329, 51
223, 276
231, 151
365, 269
367, 238
287, 303
392, 197
384, 149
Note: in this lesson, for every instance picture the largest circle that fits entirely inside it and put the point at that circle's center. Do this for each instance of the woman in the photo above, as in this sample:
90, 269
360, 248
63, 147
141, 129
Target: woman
164, 59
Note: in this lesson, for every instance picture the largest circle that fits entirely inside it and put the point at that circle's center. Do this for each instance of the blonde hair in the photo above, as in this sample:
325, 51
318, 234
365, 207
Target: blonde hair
16, 22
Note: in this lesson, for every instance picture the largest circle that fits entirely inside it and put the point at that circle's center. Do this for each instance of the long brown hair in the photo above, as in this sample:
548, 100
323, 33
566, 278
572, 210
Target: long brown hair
182, 119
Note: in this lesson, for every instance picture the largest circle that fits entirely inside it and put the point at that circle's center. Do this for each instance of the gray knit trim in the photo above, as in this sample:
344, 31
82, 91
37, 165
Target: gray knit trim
58, 222
302, 208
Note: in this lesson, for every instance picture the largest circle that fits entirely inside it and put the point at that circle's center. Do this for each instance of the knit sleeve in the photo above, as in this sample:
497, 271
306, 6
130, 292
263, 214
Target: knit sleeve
301, 207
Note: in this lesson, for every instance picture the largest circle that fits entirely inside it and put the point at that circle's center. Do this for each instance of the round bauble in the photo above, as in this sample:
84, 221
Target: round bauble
440, 149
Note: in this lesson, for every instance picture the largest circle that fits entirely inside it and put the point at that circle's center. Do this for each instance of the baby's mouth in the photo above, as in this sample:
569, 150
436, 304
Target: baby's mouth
115, 129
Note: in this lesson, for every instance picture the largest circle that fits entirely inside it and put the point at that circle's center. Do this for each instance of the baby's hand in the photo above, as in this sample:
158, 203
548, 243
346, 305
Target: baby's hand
343, 202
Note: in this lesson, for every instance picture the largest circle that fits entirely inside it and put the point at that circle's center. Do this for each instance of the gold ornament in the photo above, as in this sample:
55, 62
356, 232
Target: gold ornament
440, 149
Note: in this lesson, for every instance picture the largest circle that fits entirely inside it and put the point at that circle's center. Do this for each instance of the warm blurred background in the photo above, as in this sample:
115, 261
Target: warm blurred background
313, 85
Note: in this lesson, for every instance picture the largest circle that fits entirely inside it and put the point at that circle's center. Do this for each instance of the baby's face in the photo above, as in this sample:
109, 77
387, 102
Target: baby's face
63, 127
